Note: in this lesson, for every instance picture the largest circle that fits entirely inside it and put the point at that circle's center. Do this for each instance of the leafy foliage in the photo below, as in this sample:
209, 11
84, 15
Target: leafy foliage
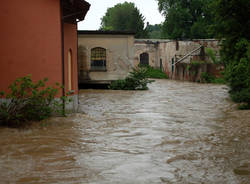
208, 78
124, 17
210, 52
186, 19
237, 74
136, 80
154, 73
233, 27
28, 101
154, 31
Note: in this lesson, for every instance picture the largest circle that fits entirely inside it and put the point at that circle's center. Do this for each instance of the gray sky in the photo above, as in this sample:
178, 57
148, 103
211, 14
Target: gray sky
148, 8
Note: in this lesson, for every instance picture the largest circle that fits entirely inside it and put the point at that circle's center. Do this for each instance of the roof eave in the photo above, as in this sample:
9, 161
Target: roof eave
98, 32
75, 10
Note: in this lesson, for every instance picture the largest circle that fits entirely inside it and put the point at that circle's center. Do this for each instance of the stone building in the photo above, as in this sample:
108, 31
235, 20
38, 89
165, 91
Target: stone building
104, 56
39, 37
173, 57
108, 55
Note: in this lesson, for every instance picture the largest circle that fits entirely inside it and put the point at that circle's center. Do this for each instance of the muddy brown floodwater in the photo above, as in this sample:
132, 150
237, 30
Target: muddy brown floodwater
176, 132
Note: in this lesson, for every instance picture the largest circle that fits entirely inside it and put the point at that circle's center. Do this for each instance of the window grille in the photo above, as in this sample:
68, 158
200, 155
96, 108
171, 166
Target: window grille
98, 58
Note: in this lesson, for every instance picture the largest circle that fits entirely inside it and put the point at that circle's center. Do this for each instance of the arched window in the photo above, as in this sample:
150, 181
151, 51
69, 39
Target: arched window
177, 45
98, 58
144, 59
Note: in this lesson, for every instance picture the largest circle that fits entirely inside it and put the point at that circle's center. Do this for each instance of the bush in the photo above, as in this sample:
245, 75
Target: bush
208, 78
235, 46
239, 80
154, 73
211, 53
136, 80
237, 74
28, 101
205, 77
219, 81
244, 106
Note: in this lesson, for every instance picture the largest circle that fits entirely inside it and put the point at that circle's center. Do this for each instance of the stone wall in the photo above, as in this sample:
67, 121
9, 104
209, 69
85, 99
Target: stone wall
162, 53
190, 72
123, 53
151, 48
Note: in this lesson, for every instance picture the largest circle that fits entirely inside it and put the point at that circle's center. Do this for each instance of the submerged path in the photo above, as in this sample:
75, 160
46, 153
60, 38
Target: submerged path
176, 132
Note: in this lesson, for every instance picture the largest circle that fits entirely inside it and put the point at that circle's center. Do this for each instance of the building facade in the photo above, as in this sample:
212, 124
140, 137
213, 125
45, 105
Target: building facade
104, 56
39, 37
173, 56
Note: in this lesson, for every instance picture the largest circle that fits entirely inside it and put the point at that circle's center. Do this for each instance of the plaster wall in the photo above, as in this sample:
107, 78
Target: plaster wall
167, 52
119, 56
30, 41
152, 51
70, 45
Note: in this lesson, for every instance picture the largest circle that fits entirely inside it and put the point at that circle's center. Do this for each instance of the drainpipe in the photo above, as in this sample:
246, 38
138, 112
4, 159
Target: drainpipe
63, 67
77, 57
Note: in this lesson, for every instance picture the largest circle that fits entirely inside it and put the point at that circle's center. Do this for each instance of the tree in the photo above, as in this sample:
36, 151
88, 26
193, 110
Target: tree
154, 31
124, 17
186, 18
233, 27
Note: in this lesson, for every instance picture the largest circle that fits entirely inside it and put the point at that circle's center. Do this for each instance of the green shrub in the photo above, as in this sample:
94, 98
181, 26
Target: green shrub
205, 77
29, 101
211, 53
154, 73
244, 106
208, 78
219, 80
238, 77
233, 30
196, 64
237, 74
136, 80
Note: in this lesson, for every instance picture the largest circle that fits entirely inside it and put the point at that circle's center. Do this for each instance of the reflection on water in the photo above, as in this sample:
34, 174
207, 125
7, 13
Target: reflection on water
173, 133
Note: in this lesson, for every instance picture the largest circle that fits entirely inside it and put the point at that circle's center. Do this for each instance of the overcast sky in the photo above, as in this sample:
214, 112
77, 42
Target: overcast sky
148, 8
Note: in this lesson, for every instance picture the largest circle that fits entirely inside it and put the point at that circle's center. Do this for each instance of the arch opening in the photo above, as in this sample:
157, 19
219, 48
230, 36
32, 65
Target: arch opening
144, 59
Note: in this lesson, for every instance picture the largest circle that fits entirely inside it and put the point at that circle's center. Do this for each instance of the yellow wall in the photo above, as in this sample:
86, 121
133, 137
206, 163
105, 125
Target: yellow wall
119, 52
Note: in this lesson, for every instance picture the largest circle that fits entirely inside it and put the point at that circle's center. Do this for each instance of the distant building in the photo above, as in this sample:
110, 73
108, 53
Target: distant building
39, 37
104, 56
174, 57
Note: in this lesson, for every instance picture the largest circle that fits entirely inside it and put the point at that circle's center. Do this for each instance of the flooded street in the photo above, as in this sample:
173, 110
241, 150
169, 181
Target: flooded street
176, 132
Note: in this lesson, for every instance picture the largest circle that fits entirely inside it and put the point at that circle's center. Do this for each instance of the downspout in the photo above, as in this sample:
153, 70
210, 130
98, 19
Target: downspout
77, 57
63, 67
